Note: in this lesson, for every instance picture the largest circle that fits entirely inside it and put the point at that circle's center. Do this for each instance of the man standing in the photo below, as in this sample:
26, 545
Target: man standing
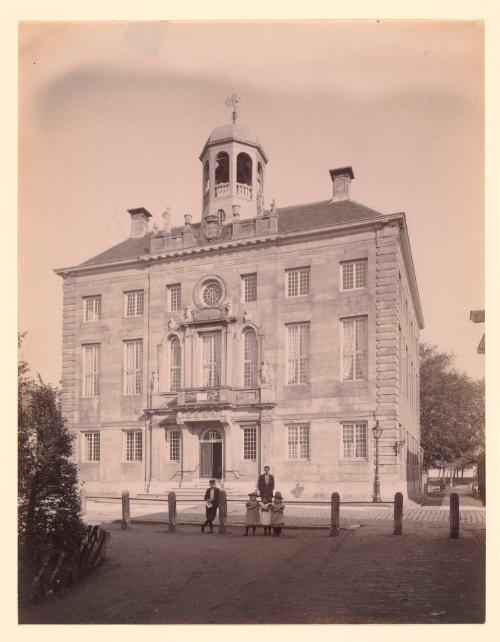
211, 505
266, 483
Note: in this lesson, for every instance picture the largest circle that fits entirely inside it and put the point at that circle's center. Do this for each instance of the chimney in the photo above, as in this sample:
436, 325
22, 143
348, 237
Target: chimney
166, 221
341, 179
139, 222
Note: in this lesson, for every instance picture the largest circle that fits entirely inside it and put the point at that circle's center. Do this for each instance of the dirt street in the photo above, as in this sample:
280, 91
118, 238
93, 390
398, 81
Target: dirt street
364, 575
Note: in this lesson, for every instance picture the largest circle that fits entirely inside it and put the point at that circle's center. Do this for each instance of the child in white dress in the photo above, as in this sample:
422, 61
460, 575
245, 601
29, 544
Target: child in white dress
265, 512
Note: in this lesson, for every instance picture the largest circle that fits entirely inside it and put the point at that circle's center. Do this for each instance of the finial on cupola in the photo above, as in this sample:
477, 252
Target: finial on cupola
166, 220
232, 102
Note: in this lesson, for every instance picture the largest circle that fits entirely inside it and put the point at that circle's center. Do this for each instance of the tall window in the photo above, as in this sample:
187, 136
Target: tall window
134, 303
249, 287
250, 443
298, 441
175, 445
354, 275
298, 353
355, 348
174, 297
211, 359
250, 360
175, 364
91, 446
297, 282
91, 369
133, 445
354, 438
92, 308
133, 367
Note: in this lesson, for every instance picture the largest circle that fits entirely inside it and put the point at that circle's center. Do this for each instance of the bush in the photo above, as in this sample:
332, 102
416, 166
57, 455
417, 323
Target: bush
49, 511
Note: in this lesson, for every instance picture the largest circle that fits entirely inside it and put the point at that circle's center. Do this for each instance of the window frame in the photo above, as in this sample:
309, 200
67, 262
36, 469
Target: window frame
299, 272
299, 427
251, 277
174, 445
344, 354
130, 371
134, 446
252, 370
355, 263
214, 378
249, 445
94, 444
174, 383
138, 296
302, 359
96, 309
354, 425
171, 289
94, 372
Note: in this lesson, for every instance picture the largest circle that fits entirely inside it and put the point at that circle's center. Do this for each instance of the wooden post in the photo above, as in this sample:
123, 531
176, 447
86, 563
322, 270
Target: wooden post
398, 514
335, 517
454, 516
222, 511
126, 522
172, 511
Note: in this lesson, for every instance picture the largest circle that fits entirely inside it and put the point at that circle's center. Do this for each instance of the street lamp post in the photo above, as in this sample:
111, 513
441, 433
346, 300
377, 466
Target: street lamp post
377, 431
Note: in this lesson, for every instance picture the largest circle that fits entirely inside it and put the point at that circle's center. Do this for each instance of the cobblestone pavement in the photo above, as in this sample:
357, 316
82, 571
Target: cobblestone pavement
366, 575
301, 515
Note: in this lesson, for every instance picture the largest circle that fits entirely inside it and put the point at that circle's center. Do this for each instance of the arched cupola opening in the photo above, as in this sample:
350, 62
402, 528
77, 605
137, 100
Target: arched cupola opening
260, 179
244, 175
221, 174
206, 179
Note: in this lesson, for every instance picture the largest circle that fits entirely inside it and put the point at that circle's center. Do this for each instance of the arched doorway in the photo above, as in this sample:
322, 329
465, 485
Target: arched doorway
211, 454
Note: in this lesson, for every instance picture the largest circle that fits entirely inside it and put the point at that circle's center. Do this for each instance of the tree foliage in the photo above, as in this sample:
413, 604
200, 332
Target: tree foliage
48, 500
451, 411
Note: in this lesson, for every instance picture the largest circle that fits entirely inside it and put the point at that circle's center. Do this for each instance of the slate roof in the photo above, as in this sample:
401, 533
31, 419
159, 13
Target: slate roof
295, 218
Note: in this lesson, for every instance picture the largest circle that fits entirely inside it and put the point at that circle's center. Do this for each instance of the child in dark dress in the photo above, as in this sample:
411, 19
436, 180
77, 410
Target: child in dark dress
252, 519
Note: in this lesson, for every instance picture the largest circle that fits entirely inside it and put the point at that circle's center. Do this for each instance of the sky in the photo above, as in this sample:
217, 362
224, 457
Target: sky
113, 116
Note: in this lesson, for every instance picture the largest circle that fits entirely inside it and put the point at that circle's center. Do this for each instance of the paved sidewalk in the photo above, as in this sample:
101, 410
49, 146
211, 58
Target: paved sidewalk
318, 516
366, 575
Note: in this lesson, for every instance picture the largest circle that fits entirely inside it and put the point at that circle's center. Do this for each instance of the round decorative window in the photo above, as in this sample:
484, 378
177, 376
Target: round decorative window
211, 293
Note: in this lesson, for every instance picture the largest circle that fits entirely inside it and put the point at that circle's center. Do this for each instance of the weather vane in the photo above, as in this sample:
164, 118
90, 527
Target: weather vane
231, 102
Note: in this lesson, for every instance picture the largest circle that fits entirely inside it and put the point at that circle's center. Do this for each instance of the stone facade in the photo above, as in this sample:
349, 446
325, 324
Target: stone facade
177, 392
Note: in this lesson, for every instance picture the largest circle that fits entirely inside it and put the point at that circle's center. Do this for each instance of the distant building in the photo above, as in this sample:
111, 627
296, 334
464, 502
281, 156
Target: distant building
252, 336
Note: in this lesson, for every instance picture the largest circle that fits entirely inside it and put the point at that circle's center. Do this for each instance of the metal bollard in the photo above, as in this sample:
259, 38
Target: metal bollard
172, 512
126, 522
398, 514
335, 517
222, 511
454, 516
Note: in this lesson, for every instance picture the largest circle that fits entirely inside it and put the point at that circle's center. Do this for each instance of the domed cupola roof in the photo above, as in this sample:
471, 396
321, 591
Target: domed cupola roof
233, 132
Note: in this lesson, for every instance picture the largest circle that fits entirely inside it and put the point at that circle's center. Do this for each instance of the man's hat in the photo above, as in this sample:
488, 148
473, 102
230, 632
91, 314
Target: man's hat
267, 467
278, 494
212, 481
253, 494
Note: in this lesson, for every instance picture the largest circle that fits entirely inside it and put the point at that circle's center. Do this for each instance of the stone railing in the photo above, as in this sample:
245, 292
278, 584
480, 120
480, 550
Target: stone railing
197, 397
243, 190
221, 190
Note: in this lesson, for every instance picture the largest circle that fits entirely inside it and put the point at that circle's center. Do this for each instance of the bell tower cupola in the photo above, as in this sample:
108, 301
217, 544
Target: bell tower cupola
233, 163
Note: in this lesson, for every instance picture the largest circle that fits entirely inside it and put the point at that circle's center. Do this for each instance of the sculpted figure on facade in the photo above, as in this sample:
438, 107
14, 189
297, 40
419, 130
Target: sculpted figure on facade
172, 324
188, 313
265, 373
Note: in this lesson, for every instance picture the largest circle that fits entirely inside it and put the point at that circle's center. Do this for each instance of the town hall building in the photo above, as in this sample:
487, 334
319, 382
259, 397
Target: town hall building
247, 337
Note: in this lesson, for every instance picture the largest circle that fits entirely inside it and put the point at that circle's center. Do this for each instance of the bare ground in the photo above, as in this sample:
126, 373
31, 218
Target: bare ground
365, 575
